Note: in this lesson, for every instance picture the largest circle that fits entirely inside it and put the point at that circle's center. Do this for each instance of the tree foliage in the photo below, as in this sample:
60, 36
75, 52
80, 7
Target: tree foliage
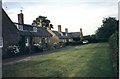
42, 21
109, 26
90, 38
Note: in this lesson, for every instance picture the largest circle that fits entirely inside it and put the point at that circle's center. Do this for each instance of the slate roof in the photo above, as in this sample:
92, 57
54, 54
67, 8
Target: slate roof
28, 31
59, 34
63, 35
75, 34
67, 35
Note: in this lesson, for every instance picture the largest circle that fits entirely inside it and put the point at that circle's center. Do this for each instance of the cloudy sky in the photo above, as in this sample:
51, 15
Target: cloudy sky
71, 14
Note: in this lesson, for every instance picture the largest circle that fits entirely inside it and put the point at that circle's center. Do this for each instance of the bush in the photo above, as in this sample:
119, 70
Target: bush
23, 51
49, 46
91, 38
12, 51
113, 42
73, 43
37, 49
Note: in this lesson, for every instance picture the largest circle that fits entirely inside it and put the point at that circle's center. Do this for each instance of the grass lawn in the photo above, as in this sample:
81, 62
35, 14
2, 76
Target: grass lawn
91, 60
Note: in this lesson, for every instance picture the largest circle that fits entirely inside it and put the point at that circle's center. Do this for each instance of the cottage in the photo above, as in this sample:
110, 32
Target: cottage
24, 35
32, 35
65, 37
57, 36
20, 34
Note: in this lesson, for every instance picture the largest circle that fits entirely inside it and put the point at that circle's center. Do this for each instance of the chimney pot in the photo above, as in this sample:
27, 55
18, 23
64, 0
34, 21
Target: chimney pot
21, 11
59, 28
66, 30
81, 33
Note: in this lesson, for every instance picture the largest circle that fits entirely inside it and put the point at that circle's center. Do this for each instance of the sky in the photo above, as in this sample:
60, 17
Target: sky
71, 14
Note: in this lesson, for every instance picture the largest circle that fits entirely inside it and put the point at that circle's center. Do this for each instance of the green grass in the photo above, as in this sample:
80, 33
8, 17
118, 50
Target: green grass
91, 60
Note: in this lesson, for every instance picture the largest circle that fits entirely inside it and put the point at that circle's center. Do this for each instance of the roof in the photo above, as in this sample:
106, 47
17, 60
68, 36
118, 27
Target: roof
28, 31
59, 34
63, 35
75, 34
67, 35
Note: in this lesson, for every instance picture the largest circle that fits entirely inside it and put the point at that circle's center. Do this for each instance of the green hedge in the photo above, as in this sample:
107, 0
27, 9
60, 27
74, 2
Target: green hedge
114, 46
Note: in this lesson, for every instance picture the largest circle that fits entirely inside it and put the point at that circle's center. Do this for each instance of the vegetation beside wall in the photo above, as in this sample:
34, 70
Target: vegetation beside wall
114, 46
109, 26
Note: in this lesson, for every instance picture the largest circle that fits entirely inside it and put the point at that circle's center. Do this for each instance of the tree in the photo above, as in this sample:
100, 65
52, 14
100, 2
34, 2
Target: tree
38, 21
90, 38
42, 22
51, 26
109, 26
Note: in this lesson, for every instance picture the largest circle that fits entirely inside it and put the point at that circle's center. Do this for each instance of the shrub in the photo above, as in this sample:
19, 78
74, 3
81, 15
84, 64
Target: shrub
73, 43
91, 38
12, 51
37, 48
113, 42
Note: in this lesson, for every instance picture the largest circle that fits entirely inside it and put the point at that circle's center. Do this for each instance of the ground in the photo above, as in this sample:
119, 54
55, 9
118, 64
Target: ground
90, 60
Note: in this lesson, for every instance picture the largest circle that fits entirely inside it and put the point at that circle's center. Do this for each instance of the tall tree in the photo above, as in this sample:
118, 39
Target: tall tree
38, 21
109, 26
41, 21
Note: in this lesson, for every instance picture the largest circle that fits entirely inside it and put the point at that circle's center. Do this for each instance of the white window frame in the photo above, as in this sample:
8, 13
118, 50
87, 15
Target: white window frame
66, 34
27, 41
20, 27
61, 33
35, 29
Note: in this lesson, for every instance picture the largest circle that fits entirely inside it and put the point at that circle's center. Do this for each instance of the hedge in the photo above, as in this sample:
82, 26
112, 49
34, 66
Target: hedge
114, 46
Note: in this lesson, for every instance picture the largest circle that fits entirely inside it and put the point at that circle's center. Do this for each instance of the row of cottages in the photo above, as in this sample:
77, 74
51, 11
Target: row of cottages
63, 37
20, 33
25, 35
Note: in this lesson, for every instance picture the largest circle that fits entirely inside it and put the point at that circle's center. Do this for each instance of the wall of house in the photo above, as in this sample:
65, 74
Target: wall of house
70, 40
61, 40
10, 33
53, 38
36, 40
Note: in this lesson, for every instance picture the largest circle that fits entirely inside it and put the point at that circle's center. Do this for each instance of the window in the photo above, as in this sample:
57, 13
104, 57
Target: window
27, 42
61, 33
66, 34
35, 29
20, 27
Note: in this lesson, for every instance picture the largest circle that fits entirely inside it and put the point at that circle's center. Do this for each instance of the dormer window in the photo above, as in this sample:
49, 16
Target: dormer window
66, 34
61, 33
35, 29
20, 27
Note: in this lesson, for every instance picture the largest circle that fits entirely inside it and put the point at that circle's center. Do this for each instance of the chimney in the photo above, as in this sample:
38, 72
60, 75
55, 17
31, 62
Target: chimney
21, 18
81, 33
66, 30
59, 28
